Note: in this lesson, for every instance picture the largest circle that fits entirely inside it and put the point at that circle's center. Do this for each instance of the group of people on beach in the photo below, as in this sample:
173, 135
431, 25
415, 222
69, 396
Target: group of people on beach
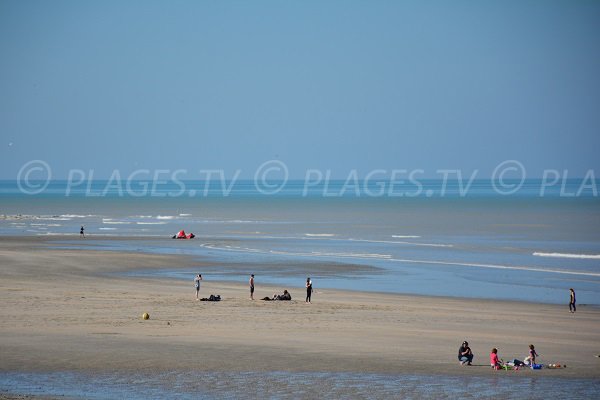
465, 356
285, 296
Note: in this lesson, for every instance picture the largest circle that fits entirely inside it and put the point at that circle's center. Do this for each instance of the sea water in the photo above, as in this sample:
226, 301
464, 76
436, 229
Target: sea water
288, 385
530, 245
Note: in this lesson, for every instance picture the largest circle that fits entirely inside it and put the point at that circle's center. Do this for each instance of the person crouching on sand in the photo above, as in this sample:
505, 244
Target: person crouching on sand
465, 355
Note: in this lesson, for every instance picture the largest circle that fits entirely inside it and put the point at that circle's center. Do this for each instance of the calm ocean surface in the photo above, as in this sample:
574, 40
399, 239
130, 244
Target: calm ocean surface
532, 245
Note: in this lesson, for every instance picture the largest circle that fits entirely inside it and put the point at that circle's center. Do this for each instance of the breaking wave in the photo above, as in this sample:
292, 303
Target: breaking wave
568, 255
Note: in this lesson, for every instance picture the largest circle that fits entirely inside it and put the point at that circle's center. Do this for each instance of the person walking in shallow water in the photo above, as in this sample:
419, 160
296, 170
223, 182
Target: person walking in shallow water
572, 307
197, 280
81, 234
251, 283
309, 289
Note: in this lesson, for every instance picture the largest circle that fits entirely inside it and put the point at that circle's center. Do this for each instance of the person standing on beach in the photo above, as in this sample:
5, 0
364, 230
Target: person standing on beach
572, 307
251, 282
81, 234
197, 280
309, 289
530, 359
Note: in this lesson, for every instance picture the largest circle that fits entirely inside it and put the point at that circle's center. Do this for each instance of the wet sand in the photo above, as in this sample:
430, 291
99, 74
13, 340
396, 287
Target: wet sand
67, 310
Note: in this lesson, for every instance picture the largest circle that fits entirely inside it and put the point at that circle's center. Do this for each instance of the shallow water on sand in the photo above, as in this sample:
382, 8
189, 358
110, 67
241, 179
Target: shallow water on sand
439, 272
285, 385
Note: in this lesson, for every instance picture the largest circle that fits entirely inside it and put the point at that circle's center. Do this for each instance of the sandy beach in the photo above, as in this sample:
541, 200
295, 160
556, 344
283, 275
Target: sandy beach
70, 310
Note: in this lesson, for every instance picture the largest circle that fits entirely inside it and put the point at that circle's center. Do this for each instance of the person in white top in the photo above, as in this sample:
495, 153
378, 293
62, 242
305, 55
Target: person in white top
309, 289
197, 280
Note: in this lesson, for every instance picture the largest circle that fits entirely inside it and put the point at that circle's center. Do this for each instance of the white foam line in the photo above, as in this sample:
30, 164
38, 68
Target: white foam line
388, 258
287, 253
402, 242
320, 234
343, 255
406, 236
496, 266
352, 255
124, 235
57, 234
165, 217
151, 223
568, 255
360, 240
230, 248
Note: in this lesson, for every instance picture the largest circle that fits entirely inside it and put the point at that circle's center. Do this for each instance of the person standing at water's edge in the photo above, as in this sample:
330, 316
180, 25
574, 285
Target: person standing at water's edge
309, 289
197, 280
251, 282
81, 234
465, 355
572, 307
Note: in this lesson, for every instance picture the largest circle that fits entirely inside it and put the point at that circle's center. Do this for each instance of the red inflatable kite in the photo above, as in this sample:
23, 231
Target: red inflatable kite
181, 235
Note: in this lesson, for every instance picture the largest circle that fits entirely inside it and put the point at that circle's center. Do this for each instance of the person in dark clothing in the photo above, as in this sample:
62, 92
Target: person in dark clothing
309, 289
465, 355
572, 307
285, 296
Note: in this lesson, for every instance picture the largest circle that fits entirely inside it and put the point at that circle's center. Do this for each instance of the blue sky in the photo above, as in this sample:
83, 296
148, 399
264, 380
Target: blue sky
337, 85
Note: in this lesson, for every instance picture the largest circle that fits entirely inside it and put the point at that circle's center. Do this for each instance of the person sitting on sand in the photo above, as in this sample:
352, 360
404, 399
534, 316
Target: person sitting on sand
530, 359
285, 296
465, 355
494, 361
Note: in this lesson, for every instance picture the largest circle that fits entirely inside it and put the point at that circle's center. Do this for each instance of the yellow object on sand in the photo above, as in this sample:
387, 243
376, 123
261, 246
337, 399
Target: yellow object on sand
146, 315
